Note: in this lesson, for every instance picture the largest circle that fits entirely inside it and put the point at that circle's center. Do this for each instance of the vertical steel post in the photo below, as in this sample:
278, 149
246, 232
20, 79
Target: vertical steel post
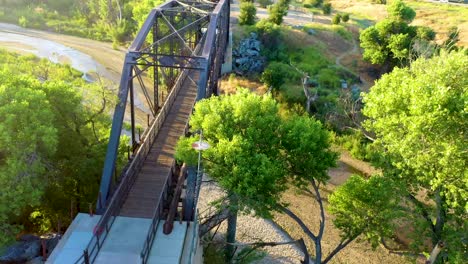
155, 68
191, 190
132, 110
203, 81
114, 139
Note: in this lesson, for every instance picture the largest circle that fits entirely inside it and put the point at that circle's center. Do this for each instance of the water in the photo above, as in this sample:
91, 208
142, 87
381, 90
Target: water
52, 51
15, 38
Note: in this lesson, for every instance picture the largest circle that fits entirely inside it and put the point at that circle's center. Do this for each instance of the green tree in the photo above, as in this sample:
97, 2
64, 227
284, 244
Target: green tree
247, 13
27, 139
365, 206
243, 157
276, 74
255, 152
278, 11
336, 19
326, 8
389, 42
419, 117
345, 17
312, 3
52, 142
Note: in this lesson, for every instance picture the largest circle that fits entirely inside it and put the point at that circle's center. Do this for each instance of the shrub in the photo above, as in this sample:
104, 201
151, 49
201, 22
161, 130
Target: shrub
326, 8
277, 12
312, 3
345, 17
336, 19
247, 13
328, 78
23, 21
265, 3
276, 74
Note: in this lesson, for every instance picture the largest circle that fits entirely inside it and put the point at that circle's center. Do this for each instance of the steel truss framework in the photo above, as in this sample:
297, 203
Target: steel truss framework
177, 36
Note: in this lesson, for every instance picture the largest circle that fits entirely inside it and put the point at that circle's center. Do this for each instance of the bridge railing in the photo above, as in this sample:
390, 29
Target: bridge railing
158, 212
217, 28
113, 209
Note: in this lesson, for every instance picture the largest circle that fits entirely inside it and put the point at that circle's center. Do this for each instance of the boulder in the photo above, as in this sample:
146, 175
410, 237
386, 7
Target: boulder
36, 260
246, 57
21, 252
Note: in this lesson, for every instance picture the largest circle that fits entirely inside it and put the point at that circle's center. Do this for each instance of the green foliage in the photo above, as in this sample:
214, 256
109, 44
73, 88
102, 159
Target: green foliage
327, 78
345, 17
185, 152
253, 149
313, 3
307, 150
424, 118
278, 11
52, 142
271, 37
243, 157
366, 206
336, 19
247, 13
248, 255
419, 117
326, 8
381, 2
453, 37
27, 138
389, 42
276, 74
398, 10
425, 33
96, 19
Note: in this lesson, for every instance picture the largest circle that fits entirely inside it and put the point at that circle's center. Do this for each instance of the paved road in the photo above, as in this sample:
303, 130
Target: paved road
293, 17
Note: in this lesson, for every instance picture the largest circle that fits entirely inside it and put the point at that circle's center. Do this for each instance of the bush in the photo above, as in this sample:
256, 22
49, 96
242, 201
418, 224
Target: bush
247, 13
276, 74
326, 8
336, 19
277, 12
270, 36
328, 78
22, 21
345, 17
265, 3
312, 3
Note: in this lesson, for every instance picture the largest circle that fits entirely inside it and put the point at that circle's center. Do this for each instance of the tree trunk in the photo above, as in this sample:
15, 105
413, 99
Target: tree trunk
231, 229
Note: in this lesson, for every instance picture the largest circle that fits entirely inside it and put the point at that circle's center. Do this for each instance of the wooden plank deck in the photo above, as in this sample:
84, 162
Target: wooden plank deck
145, 192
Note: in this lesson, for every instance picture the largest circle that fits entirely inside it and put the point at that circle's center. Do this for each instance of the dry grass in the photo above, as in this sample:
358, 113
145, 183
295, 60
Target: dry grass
440, 17
308, 210
230, 83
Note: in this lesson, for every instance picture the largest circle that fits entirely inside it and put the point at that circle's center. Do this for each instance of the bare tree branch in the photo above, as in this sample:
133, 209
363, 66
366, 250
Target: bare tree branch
299, 221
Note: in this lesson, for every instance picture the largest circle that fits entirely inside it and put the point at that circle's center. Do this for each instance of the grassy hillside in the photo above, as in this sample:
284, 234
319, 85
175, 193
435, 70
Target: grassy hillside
441, 17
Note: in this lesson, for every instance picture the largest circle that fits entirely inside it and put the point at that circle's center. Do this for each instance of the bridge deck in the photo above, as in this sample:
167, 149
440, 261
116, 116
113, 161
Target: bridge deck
143, 197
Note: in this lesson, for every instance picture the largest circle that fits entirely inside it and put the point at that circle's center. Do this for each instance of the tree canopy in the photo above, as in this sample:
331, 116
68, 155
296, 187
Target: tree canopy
419, 117
389, 42
52, 143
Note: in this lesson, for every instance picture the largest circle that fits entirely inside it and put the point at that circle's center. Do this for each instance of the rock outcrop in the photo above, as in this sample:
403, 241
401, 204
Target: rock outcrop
247, 58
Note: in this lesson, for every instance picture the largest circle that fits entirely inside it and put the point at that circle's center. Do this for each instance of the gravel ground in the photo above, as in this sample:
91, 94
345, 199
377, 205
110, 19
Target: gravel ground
251, 229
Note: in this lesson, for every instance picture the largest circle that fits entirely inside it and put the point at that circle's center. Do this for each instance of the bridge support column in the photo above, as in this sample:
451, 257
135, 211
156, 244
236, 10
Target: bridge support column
114, 139
203, 81
189, 203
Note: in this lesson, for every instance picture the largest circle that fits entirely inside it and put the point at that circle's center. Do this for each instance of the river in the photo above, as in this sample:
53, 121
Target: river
87, 56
